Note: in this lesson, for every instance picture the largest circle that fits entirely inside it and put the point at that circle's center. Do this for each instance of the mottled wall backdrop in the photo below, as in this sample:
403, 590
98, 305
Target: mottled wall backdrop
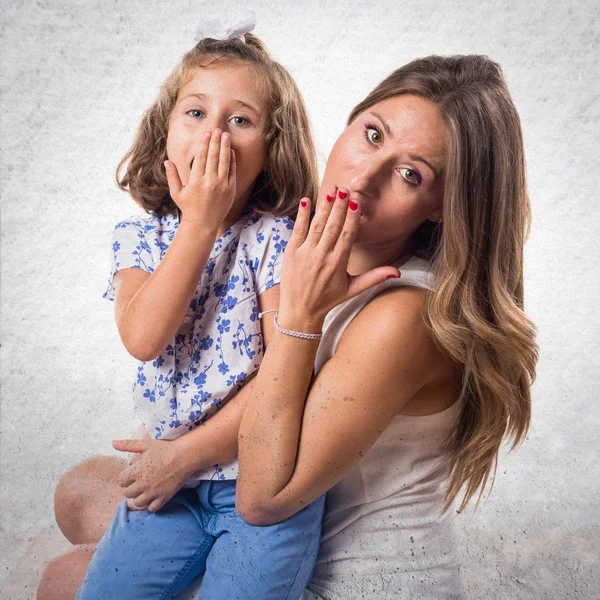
76, 77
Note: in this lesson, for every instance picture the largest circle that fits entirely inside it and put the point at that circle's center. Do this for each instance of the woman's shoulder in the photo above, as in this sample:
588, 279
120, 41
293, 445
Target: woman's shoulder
393, 313
391, 329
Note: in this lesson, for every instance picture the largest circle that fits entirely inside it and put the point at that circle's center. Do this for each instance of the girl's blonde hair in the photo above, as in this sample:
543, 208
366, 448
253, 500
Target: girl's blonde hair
475, 313
291, 170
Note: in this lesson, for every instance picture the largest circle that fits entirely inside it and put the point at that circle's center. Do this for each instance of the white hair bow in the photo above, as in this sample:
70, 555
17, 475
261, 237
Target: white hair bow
218, 31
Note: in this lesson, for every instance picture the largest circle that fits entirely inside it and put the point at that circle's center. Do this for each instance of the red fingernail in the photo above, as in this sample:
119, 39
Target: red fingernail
341, 194
329, 198
303, 203
392, 276
353, 205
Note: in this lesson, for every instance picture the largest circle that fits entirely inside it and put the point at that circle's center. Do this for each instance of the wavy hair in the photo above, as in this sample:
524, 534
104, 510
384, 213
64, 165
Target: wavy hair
475, 313
291, 171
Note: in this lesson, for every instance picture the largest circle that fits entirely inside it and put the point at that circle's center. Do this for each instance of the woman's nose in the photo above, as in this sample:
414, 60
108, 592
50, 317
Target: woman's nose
365, 175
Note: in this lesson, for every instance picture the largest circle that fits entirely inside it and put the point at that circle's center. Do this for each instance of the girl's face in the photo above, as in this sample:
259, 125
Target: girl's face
391, 159
227, 96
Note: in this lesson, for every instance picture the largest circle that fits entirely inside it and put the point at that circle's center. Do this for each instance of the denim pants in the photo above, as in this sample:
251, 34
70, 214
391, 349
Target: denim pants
145, 556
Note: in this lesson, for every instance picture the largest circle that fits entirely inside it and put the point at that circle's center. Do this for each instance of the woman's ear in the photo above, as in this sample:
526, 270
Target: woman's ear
435, 215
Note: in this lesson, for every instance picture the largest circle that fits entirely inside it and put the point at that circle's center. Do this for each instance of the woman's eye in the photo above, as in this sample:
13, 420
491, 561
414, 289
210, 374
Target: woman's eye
373, 135
410, 176
195, 113
239, 121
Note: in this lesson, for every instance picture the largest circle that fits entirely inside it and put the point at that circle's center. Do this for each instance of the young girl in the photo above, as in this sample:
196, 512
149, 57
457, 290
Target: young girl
189, 283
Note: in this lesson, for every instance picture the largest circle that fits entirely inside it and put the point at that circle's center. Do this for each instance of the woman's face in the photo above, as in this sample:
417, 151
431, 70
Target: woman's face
391, 159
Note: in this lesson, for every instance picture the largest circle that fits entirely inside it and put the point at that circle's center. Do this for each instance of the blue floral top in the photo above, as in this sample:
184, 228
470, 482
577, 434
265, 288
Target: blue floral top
219, 344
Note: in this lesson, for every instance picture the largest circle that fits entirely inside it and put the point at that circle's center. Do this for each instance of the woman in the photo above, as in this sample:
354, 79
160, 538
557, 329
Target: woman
418, 379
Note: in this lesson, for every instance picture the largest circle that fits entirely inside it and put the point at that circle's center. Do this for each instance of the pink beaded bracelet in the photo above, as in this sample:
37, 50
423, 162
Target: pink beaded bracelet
298, 334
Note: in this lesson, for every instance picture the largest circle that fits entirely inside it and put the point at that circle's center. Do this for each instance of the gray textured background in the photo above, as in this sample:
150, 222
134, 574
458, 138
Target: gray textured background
76, 77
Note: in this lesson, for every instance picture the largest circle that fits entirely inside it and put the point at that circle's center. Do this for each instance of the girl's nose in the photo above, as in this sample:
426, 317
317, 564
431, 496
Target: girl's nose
216, 122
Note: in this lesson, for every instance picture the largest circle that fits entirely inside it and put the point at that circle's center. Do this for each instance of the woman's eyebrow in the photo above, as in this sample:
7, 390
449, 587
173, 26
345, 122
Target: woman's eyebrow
414, 157
418, 158
385, 125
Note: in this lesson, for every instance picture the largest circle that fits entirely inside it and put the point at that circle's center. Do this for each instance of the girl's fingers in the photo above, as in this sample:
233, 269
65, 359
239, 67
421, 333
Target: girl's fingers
199, 165
126, 477
142, 501
134, 459
324, 207
232, 168
133, 490
335, 221
130, 445
301, 224
347, 233
173, 180
133, 504
224, 157
156, 505
214, 150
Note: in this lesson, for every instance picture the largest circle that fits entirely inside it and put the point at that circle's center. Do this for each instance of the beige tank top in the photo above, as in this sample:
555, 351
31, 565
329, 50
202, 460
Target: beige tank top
384, 536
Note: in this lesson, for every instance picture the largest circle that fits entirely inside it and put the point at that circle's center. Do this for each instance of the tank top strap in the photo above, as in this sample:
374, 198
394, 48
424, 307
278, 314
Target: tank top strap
414, 272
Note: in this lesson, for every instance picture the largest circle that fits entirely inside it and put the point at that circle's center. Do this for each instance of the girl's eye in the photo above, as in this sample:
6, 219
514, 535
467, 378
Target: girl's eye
195, 113
373, 135
239, 121
410, 176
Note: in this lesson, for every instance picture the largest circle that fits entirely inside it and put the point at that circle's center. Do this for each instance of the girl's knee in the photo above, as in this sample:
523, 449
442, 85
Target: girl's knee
49, 587
82, 492
63, 575
85, 478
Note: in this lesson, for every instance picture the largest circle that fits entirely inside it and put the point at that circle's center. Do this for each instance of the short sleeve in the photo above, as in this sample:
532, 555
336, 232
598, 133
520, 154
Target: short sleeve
271, 239
129, 250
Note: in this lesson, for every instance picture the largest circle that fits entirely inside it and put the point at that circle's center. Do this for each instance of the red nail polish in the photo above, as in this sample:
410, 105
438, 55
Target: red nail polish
392, 276
303, 203
329, 198
341, 194
353, 205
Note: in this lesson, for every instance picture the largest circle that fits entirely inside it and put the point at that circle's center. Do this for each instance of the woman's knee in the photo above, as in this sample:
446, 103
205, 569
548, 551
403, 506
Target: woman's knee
63, 575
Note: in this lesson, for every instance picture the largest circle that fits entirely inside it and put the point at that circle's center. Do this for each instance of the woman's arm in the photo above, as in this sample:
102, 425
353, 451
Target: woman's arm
292, 449
289, 456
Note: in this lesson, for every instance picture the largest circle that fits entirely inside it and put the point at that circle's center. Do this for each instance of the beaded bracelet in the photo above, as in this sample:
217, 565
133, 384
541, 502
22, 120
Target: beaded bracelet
298, 334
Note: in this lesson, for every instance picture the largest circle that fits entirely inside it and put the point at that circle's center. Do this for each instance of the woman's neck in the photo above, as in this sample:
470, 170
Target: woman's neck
364, 258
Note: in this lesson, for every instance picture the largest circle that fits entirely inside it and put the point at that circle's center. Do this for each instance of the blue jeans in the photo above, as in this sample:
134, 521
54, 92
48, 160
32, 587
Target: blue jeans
145, 556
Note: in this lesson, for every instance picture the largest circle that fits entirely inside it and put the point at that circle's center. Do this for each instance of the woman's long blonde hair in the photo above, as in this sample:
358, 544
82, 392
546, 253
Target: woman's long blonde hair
475, 313
291, 171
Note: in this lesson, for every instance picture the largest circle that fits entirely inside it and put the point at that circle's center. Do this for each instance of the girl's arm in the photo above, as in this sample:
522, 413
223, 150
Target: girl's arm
292, 448
149, 308
167, 465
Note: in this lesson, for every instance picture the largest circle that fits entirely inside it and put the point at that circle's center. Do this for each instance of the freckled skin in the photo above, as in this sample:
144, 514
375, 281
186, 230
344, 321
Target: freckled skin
392, 208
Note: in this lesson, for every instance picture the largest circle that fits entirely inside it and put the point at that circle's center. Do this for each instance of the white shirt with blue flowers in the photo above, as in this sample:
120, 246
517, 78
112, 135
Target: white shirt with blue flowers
219, 344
